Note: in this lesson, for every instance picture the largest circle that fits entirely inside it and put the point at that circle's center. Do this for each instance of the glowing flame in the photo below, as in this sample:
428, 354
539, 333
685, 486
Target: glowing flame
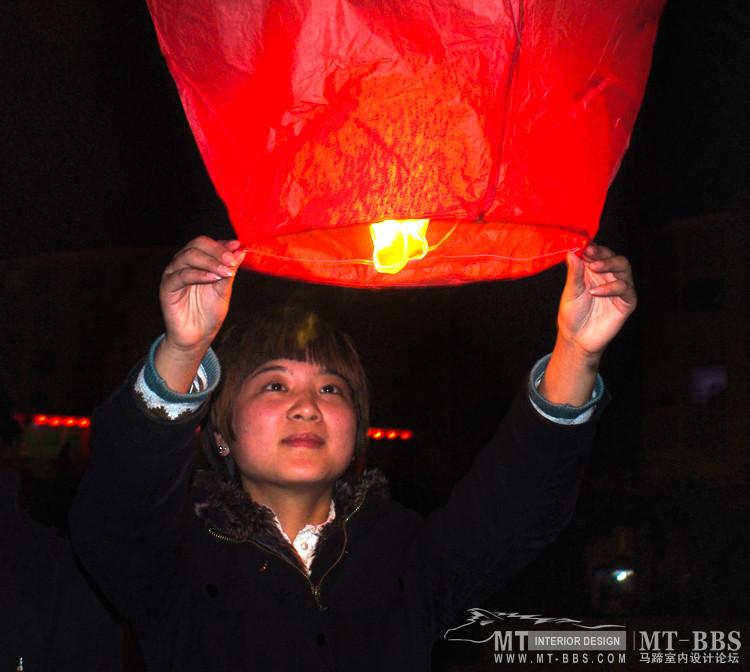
398, 241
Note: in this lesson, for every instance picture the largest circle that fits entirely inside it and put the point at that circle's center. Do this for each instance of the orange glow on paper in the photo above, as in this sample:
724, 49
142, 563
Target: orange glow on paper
502, 123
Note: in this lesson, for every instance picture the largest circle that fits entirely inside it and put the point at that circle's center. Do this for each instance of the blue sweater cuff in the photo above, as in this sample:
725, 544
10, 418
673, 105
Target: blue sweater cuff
563, 412
159, 387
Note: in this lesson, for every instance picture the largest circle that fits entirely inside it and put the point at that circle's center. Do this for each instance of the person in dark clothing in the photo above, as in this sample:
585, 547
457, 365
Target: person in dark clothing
282, 557
51, 618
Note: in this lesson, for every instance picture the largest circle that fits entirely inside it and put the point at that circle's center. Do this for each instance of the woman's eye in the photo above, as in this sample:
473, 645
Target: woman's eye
274, 387
330, 389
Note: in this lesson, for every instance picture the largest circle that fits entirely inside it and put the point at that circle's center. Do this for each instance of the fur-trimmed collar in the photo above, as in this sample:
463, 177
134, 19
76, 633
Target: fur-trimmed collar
228, 510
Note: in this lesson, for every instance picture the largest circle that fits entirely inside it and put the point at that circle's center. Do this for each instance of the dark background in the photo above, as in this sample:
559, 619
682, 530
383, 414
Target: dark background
102, 183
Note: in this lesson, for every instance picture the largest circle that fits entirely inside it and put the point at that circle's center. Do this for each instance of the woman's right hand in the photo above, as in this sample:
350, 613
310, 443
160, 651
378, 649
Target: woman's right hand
194, 293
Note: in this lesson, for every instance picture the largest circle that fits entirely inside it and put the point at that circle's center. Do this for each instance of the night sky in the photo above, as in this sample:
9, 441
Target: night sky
97, 154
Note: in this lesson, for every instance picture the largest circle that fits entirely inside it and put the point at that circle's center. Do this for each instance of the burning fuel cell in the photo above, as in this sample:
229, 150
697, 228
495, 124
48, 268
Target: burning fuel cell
396, 242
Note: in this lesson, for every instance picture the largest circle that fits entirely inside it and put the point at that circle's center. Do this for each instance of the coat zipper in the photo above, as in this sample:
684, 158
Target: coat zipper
314, 589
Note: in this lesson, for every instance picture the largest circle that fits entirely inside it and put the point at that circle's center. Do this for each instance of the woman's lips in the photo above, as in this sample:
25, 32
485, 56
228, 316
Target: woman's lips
304, 440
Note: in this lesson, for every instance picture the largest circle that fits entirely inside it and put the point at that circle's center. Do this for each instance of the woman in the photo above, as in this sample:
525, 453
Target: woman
280, 559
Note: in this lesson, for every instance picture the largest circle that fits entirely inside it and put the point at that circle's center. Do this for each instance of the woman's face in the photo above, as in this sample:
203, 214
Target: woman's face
295, 425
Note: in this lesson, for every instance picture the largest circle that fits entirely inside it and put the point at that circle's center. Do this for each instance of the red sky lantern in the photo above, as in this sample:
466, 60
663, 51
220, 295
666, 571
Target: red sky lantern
478, 136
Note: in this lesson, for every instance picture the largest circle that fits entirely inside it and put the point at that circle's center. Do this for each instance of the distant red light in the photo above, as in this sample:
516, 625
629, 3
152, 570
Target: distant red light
61, 421
391, 434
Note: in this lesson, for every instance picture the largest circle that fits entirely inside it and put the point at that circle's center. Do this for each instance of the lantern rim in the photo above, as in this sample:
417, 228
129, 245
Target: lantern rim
459, 252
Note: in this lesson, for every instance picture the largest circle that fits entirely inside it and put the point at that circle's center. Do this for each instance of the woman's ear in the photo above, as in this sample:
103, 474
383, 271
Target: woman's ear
221, 445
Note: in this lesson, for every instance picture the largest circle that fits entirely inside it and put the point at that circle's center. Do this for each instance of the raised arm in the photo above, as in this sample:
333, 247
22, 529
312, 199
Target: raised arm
195, 291
522, 488
130, 513
598, 298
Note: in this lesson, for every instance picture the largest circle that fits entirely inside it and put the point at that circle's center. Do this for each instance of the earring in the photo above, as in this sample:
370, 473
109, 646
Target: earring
223, 451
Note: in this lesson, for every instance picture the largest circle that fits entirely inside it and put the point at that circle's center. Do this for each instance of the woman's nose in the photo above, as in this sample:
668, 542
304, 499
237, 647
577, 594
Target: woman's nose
305, 407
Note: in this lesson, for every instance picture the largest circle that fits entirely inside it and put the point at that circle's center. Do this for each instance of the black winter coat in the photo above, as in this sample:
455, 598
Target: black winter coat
209, 584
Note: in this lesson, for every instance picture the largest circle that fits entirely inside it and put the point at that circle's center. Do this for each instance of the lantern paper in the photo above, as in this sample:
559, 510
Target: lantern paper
501, 122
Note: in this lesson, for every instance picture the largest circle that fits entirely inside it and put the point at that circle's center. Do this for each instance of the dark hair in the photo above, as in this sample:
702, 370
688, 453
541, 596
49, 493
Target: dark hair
290, 333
